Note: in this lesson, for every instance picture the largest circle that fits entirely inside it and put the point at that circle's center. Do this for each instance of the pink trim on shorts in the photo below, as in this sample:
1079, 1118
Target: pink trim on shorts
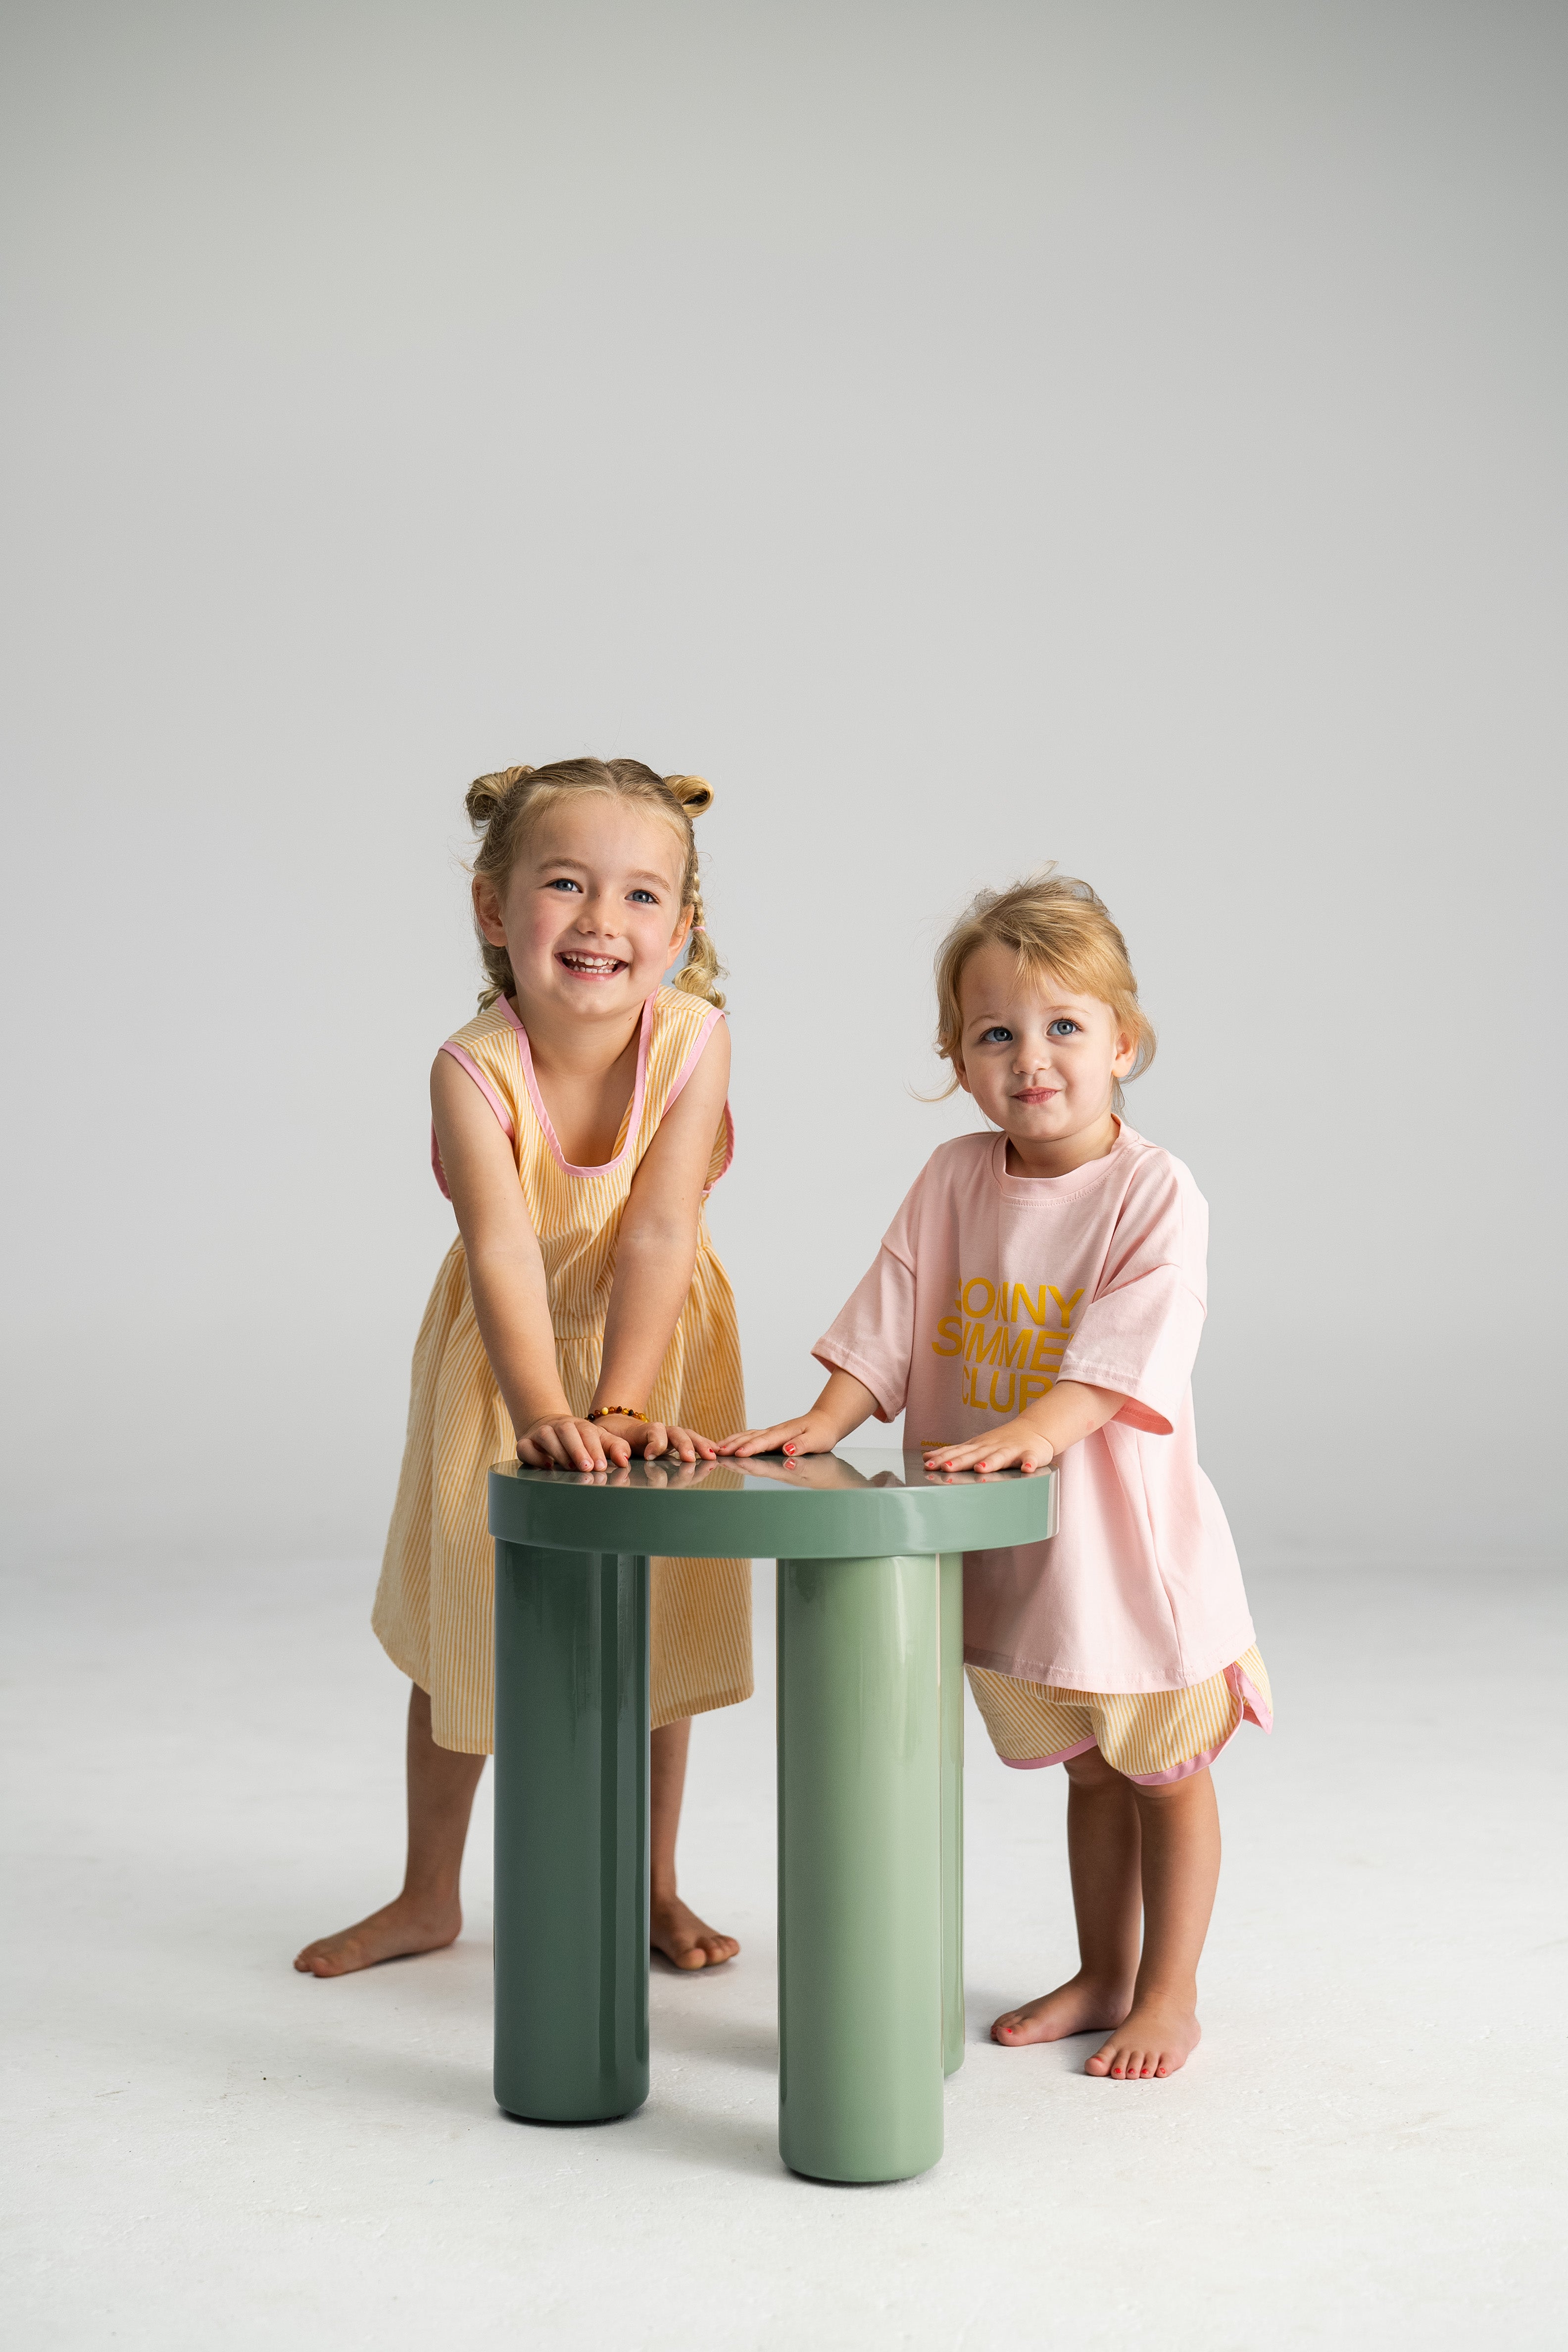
1185, 1771
1254, 1708
489, 1095
1041, 1763
634, 1117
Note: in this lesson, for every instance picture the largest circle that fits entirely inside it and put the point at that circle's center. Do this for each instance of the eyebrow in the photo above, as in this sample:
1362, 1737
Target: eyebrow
638, 873
1052, 1011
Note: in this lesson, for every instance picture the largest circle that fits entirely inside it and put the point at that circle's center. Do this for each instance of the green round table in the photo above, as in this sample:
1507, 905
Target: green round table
870, 1790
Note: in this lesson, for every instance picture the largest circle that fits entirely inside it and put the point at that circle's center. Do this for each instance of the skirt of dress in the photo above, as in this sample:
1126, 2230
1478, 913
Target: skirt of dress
1149, 1735
435, 1605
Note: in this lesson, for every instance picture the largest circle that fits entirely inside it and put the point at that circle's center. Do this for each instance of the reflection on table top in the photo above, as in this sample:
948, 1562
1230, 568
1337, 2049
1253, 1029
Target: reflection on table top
858, 1502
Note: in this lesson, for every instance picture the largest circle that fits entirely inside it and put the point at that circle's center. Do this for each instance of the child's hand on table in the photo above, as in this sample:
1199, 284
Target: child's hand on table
565, 1440
1016, 1445
808, 1433
842, 1405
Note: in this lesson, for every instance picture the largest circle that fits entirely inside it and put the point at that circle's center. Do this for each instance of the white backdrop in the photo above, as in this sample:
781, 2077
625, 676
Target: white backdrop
1130, 434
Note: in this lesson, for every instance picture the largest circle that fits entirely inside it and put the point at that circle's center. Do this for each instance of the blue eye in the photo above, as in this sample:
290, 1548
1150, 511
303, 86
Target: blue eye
646, 897
562, 882
1063, 1027
997, 1036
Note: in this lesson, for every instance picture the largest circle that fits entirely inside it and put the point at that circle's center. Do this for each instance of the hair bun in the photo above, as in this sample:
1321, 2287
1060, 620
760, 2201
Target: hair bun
486, 795
695, 794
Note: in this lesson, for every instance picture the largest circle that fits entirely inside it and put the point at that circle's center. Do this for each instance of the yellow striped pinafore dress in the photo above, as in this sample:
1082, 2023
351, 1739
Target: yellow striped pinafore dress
433, 1606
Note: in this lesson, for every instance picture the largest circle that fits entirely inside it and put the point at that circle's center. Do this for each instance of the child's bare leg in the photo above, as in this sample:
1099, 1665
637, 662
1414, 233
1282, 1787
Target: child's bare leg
441, 1785
1180, 1827
1103, 1855
675, 1929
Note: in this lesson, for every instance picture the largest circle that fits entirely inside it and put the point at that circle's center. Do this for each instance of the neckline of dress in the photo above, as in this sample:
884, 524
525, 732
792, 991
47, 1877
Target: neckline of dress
634, 1113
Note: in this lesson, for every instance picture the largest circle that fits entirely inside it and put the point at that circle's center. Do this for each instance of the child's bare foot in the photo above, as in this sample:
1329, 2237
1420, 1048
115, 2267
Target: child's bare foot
677, 1932
1155, 2038
1079, 2006
392, 1933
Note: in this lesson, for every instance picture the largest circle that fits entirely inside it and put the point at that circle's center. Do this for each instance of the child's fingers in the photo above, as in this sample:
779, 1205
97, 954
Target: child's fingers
589, 1451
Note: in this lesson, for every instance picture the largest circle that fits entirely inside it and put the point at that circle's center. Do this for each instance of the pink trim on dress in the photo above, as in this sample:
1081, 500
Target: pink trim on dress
489, 1095
633, 1116
692, 1059
484, 1086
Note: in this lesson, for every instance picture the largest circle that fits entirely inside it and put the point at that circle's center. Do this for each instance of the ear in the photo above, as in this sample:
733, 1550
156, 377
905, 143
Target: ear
487, 910
679, 936
1126, 1054
961, 1075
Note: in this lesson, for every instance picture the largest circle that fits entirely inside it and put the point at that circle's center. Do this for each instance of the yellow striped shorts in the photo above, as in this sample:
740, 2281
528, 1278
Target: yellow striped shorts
1149, 1735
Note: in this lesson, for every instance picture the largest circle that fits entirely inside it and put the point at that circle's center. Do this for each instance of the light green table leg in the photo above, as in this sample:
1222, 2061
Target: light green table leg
951, 1812
572, 1854
860, 1867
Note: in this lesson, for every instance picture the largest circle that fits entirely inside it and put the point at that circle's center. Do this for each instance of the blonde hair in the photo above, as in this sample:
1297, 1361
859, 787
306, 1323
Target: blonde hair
505, 807
1054, 925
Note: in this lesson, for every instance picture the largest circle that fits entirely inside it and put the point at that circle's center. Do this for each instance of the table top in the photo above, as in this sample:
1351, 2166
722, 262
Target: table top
856, 1503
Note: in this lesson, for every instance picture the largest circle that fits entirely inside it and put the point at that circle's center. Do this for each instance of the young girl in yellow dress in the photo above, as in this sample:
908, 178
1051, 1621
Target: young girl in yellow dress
579, 1124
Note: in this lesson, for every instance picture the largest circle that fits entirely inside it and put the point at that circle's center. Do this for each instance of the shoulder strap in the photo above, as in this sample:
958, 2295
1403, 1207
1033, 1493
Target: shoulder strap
683, 1026
486, 1047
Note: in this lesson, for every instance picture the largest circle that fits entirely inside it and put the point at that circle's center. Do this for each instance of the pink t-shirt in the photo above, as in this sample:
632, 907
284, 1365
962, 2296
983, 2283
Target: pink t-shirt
987, 1290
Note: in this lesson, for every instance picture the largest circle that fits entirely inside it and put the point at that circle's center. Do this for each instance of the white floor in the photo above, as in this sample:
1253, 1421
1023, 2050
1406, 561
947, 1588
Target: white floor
204, 2149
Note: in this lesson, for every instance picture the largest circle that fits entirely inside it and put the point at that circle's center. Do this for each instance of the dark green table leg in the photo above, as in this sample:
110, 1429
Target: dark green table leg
951, 1812
860, 1867
571, 1853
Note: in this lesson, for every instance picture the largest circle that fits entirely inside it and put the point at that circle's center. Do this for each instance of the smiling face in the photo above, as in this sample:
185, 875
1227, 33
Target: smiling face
591, 914
1041, 1061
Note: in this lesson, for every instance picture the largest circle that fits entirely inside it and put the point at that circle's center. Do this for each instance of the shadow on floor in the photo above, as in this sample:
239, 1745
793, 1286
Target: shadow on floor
689, 2032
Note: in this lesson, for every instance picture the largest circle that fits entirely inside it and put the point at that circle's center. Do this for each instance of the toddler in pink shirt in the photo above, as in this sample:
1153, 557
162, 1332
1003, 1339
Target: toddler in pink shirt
1038, 1300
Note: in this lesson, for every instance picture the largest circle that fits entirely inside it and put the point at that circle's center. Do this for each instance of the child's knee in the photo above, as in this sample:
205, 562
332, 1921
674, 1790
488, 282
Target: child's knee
1090, 1770
1163, 1796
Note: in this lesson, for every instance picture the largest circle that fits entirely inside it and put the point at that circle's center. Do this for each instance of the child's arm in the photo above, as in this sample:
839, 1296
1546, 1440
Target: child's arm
656, 1249
506, 1275
1069, 1410
842, 1405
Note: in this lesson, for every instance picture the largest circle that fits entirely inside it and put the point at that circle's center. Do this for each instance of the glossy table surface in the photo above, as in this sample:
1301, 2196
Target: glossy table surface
858, 1503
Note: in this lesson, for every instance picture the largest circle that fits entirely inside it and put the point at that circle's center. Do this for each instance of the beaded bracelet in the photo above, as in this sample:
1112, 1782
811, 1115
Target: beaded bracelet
621, 1412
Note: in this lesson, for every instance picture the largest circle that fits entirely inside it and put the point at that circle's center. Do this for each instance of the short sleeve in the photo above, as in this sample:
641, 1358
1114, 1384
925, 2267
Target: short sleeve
872, 1337
1139, 1334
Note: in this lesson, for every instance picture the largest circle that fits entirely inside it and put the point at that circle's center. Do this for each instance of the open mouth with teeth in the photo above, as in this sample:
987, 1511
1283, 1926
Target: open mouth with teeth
590, 967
